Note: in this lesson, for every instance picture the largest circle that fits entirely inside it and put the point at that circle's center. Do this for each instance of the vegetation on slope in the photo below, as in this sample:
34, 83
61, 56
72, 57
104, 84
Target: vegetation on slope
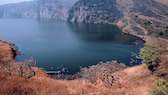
151, 56
160, 87
154, 28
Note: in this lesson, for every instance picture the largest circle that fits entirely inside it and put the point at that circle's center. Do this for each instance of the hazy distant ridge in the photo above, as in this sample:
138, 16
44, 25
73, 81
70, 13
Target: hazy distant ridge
19, 10
41, 9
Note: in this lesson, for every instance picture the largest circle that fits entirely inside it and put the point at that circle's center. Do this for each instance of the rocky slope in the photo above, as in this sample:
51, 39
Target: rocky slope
133, 16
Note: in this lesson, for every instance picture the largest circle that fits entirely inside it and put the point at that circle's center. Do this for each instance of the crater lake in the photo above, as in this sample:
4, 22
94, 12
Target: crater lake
55, 44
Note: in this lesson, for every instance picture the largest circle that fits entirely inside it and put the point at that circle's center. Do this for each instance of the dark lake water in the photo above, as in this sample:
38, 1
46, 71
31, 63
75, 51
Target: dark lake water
61, 44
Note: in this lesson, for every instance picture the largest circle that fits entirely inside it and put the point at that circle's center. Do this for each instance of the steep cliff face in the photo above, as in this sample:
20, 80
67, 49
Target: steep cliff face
40, 9
20, 10
95, 11
136, 16
54, 9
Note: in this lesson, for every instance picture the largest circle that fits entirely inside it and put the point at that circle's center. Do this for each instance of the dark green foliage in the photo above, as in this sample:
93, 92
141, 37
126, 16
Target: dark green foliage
160, 87
151, 56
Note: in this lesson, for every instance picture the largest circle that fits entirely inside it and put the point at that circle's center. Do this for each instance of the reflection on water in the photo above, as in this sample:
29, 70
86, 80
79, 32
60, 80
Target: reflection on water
57, 44
101, 32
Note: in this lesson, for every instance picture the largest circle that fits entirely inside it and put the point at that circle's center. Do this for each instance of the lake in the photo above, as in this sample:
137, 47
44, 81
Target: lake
57, 44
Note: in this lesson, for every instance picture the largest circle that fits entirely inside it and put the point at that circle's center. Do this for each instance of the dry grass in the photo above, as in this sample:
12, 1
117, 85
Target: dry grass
130, 81
135, 80
6, 53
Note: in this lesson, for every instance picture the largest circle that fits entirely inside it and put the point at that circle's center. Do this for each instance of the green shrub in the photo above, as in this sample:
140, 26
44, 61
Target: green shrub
160, 87
151, 56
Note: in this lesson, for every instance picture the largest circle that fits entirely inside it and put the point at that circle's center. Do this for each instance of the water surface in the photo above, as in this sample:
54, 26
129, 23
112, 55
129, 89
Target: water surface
61, 44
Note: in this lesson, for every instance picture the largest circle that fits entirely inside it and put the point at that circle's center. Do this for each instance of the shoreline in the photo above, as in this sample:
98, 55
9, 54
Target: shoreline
146, 38
163, 43
111, 78
35, 80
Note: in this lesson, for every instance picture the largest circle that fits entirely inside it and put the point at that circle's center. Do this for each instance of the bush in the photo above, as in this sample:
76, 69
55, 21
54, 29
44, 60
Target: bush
102, 71
151, 56
160, 87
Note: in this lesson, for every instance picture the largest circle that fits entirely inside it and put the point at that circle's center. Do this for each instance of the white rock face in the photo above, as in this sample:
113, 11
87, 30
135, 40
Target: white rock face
95, 11
41, 9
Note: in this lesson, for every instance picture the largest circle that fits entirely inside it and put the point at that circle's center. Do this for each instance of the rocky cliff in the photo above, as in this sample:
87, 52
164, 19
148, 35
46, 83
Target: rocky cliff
54, 9
95, 11
133, 16
39, 9
19, 10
